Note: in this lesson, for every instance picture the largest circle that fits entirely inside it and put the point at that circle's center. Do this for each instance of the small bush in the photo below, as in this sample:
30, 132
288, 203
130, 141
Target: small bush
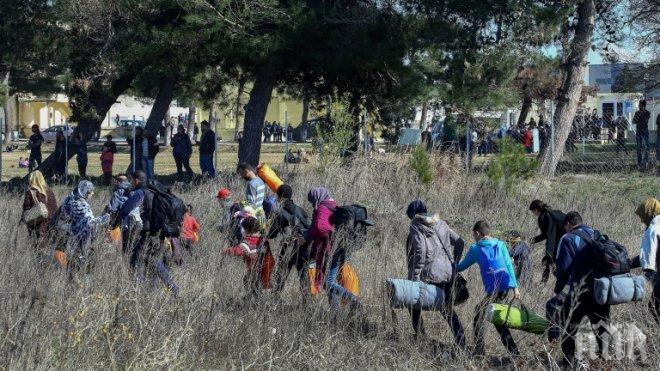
511, 165
421, 163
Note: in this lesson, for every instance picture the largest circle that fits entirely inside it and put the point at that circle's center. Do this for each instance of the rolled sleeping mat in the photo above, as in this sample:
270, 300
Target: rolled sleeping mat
619, 289
268, 175
414, 294
517, 319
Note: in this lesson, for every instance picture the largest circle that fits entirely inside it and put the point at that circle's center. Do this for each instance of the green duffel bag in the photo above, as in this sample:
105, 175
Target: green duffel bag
518, 319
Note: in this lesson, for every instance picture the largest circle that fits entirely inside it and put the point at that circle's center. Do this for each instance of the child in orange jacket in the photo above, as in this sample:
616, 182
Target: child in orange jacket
256, 255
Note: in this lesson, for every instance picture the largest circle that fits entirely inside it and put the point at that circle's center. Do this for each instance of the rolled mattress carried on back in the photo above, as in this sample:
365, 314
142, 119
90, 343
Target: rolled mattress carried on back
414, 294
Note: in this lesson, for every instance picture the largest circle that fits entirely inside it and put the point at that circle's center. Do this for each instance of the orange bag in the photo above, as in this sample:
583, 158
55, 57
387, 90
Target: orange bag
269, 177
115, 235
311, 275
266, 270
60, 257
348, 279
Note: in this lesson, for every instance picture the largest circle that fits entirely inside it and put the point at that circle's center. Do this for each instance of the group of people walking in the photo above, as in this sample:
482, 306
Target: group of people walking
319, 246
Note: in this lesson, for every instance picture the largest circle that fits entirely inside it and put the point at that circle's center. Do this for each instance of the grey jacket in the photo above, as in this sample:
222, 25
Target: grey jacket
428, 261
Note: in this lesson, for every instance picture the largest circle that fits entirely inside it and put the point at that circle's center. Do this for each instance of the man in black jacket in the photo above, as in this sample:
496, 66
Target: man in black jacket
291, 222
206, 150
551, 224
147, 254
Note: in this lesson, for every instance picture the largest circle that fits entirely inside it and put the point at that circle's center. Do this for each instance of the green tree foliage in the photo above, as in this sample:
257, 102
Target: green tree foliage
511, 165
420, 161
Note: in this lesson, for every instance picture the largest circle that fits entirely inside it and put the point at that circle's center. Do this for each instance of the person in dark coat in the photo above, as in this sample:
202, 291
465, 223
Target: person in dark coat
182, 150
81, 155
291, 222
551, 224
60, 156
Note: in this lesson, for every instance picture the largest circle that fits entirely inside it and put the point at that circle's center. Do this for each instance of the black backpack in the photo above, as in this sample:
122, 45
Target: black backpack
167, 211
351, 222
608, 258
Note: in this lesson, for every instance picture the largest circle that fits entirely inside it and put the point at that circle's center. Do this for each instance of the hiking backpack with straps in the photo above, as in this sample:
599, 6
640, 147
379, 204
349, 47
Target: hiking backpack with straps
167, 211
351, 222
608, 258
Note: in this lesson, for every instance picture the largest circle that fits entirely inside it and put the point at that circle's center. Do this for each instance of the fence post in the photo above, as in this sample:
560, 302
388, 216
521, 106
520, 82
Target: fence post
2, 130
468, 136
215, 143
66, 153
552, 136
133, 149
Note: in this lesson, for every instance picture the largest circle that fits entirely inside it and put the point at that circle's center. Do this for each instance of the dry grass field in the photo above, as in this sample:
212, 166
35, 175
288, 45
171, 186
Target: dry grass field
106, 320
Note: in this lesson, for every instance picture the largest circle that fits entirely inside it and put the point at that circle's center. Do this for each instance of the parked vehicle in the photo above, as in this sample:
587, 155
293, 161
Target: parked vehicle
50, 134
125, 128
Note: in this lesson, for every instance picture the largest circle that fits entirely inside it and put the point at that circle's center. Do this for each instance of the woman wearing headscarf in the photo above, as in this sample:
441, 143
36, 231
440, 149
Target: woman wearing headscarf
39, 192
648, 259
83, 225
320, 235
430, 261
551, 224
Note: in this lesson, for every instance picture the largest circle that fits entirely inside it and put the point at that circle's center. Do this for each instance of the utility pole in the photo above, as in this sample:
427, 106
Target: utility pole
286, 137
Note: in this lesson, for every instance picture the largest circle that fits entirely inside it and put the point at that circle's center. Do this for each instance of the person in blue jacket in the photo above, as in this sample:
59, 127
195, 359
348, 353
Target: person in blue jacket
498, 277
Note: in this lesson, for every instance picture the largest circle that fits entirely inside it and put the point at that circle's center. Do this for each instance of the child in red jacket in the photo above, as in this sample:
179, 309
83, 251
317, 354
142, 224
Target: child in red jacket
256, 255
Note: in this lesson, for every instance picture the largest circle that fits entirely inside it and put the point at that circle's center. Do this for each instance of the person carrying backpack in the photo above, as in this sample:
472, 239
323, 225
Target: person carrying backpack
576, 259
648, 259
429, 239
499, 280
291, 222
320, 235
162, 216
551, 224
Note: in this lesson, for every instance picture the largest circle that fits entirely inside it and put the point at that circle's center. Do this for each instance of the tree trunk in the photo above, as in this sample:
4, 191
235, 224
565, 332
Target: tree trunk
249, 149
422, 119
161, 105
192, 116
305, 110
238, 109
524, 110
570, 91
7, 127
92, 110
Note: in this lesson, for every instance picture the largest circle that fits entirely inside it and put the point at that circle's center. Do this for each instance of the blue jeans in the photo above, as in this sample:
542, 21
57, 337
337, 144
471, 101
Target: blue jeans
206, 164
642, 139
148, 167
336, 292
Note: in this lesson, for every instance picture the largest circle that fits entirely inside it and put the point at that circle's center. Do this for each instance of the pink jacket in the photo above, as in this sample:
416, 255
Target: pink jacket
321, 226
320, 235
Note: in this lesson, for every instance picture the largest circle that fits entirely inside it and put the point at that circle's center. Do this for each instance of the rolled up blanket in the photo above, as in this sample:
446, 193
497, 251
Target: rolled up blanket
414, 294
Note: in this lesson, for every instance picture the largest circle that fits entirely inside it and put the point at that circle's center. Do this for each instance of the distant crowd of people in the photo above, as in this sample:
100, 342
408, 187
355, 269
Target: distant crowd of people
274, 132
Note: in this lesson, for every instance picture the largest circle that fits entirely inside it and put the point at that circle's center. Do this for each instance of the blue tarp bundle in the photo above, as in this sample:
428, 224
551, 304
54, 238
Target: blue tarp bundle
418, 295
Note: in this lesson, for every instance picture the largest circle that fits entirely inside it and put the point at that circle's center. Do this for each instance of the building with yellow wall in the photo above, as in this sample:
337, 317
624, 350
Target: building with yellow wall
51, 111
